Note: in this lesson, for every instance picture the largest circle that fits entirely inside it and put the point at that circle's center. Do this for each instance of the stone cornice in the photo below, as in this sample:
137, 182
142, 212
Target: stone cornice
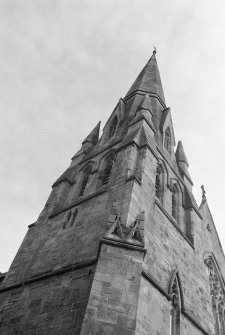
151, 94
194, 321
121, 244
45, 275
78, 202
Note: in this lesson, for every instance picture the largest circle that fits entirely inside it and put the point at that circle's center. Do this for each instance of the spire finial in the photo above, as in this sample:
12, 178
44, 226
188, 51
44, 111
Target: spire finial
203, 194
148, 79
155, 50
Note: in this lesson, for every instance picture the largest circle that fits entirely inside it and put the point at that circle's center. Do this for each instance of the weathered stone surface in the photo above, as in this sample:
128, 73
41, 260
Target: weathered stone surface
55, 305
83, 267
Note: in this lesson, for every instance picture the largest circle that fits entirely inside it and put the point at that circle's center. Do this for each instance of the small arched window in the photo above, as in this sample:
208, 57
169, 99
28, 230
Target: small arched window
175, 203
159, 183
113, 127
108, 168
175, 308
84, 182
167, 140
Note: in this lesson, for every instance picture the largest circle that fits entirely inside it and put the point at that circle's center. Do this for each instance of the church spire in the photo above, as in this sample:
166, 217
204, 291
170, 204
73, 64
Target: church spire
148, 79
146, 104
87, 145
144, 111
182, 163
94, 135
180, 154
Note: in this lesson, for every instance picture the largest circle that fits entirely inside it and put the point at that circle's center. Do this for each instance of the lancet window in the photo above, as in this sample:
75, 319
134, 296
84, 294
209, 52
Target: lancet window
175, 203
167, 140
84, 182
217, 296
70, 219
175, 308
113, 127
108, 168
159, 183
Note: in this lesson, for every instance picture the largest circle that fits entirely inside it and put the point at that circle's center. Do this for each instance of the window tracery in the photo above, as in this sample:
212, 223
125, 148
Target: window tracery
175, 308
108, 168
217, 296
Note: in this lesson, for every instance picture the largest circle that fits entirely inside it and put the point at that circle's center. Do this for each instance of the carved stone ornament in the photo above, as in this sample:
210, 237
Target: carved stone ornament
175, 295
217, 296
216, 288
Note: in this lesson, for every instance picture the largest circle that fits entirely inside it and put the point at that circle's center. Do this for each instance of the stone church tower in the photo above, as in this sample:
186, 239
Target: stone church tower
121, 247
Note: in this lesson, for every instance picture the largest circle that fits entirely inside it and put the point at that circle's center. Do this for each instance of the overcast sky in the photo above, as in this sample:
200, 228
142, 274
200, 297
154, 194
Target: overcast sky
63, 66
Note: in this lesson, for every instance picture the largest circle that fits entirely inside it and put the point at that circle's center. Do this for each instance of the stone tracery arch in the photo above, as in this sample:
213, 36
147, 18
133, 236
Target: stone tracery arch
217, 292
176, 293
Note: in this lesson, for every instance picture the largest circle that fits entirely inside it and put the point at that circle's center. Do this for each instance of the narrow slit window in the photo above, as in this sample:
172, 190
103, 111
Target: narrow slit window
159, 183
85, 180
108, 169
175, 204
167, 140
113, 127
175, 309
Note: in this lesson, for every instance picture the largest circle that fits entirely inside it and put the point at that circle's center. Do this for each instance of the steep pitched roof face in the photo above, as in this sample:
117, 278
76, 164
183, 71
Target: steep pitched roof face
94, 134
149, 80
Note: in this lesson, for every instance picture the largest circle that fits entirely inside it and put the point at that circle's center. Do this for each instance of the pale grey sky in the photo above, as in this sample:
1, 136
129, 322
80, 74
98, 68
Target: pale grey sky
63, 66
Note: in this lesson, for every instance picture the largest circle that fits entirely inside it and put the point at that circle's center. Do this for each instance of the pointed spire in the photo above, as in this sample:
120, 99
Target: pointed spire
135, 236
149, 79
182, 163
144, 111
180, 154
87, 145
94, 135
120, 108
115, 231
146, 104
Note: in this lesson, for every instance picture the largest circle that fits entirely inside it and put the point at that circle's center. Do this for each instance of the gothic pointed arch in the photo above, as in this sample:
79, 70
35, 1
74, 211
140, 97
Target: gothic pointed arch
159, 183
106, 166
160, 180
177, 199
217, 293
175, 203
176, 275
176, 293
168, 140
86, 174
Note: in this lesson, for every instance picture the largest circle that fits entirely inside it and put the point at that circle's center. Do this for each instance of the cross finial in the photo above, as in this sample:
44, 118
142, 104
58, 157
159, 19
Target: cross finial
154, 51
203, 193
